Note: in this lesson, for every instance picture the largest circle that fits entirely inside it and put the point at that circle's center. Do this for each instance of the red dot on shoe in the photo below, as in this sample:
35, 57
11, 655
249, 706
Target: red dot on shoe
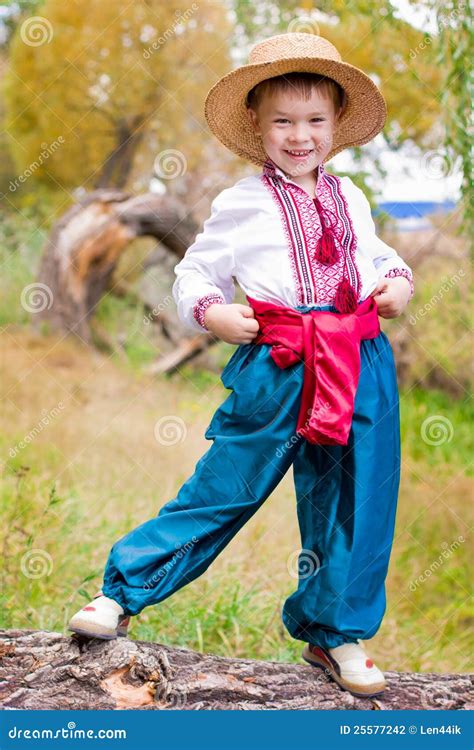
88, 609
369, 663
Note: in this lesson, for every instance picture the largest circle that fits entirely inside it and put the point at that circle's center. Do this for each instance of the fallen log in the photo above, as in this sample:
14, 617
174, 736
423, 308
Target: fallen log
48, 670
185, 351
84, 247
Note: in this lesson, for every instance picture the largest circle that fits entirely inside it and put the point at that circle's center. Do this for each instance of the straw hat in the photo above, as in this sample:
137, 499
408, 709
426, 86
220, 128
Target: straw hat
226, 111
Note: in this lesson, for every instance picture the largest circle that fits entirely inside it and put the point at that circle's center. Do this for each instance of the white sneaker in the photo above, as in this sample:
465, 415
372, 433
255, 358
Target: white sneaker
349, 666
101, 618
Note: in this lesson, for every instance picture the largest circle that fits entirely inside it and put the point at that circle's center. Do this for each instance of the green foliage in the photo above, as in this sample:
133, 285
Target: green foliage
455, 54
21, 241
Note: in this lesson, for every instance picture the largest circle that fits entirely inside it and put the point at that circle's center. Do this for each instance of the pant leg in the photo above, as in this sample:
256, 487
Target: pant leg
346, 502
253, 434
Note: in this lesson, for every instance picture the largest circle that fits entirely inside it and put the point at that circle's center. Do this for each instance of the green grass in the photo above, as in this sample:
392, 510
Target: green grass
437, 430
123, 320
234, 608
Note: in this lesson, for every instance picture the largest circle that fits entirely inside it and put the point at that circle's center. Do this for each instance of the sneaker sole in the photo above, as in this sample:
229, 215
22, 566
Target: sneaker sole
121, 632
91, 634
375, 692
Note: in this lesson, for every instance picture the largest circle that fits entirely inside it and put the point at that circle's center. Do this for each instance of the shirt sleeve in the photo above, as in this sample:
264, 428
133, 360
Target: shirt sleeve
204, 275
386, 260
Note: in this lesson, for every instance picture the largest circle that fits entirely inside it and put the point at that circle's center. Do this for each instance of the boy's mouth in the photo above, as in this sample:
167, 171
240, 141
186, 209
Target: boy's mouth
299, 154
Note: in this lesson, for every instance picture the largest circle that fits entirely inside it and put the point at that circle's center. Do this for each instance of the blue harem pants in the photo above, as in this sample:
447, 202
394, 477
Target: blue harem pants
346, 498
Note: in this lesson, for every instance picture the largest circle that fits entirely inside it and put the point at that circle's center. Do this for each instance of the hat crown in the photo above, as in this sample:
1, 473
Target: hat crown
294, 44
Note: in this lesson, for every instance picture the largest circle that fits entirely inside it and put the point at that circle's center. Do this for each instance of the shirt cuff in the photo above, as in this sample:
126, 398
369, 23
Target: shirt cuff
203, 303
402, 272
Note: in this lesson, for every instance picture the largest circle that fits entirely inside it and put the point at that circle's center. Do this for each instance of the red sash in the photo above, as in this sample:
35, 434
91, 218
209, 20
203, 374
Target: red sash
329, 345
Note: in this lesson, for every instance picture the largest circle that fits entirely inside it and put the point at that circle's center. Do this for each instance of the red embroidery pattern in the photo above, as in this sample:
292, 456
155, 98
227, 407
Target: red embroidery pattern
203, 303
350, 240
314, 281
402, 272
299, 274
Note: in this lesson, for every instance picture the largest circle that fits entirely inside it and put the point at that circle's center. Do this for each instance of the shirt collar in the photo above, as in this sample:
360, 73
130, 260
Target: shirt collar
272, 169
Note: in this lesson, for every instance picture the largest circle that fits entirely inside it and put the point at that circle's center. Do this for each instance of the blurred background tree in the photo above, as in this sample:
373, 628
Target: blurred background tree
122, 87
91, 74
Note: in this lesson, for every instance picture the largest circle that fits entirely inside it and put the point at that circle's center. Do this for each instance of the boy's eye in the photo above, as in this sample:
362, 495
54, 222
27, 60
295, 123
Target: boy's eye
318, 119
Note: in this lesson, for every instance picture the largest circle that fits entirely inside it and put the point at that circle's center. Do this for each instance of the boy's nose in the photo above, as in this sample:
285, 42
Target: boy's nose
300, 135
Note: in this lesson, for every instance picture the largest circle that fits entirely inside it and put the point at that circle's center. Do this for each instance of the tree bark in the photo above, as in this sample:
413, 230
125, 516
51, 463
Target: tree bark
85, 245
47, 670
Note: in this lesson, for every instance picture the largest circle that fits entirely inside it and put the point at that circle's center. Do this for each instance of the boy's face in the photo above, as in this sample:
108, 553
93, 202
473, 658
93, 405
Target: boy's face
286, 122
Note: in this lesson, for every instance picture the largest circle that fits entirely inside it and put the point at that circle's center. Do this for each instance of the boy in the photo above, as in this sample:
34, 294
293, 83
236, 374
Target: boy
313, 379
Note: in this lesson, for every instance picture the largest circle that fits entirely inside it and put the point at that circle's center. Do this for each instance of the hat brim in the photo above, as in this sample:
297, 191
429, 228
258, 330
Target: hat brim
226, 112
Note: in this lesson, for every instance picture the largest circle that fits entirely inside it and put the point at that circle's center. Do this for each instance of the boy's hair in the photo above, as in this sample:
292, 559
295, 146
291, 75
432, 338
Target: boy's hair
301, 82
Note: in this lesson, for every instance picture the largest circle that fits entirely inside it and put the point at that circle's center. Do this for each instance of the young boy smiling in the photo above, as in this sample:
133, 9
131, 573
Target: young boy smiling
313, 380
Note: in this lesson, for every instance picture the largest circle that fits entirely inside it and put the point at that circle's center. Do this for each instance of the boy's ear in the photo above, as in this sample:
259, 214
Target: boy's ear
253, 117
342, 108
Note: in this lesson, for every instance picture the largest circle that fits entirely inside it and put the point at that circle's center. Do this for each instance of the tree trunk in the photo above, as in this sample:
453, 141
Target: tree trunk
85, 246
117, 166
47, 670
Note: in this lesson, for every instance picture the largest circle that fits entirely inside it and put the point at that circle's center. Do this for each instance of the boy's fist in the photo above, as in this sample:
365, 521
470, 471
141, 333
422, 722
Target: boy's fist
233, 323
391, 296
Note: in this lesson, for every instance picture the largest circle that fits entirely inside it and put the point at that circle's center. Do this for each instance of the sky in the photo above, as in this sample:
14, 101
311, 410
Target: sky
423, 19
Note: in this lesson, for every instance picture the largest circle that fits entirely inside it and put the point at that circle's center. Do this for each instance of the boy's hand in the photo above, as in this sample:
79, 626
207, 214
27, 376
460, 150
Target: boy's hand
391, 296
234, 323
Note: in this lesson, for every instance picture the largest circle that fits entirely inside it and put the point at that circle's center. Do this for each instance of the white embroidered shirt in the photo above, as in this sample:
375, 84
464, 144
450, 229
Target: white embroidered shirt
262, 233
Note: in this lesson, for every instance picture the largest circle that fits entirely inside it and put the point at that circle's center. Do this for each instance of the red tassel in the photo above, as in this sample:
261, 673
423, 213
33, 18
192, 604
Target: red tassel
346, 299
326, 250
